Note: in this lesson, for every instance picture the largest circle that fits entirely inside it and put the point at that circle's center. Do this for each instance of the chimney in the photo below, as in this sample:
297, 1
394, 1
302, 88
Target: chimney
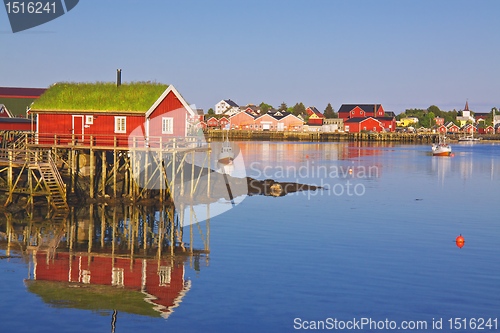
118, 77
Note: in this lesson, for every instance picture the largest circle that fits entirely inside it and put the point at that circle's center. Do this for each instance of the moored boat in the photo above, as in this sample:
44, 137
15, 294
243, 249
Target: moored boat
441, 148
226, 154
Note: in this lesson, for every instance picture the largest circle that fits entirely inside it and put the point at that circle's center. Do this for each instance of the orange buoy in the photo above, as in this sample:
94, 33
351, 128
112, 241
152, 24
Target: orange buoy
460, 241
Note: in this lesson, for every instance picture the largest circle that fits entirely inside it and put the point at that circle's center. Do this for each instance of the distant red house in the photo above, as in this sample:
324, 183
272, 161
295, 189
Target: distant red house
451, 127
348, 111
223, 122
315, 117
486, 130
365, 111
469, 129
169, 116
212, 122
439, 121
355, 125
242, 120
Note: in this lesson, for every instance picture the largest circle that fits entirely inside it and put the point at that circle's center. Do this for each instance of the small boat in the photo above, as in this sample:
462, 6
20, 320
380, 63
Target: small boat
441, 148
226, 155
468, 138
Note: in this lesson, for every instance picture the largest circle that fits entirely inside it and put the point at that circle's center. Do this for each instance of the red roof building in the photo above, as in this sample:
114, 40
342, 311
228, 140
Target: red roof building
365, 111
356, 125
315, 117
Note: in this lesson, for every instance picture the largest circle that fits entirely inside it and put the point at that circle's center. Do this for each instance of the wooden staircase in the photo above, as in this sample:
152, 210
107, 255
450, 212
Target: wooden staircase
53, 181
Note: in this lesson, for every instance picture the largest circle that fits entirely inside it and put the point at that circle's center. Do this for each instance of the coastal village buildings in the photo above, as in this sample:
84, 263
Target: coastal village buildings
270, 121
315, 117
227, 107
369, 117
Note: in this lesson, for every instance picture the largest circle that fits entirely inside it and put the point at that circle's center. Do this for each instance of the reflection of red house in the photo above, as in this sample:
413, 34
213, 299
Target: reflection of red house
363, 124
162, 284
167, 116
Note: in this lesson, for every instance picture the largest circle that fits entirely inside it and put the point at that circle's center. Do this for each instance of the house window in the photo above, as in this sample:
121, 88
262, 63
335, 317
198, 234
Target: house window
89, 120
167, 125
375, 129
120, 124
364, 128
117, 277
164, 275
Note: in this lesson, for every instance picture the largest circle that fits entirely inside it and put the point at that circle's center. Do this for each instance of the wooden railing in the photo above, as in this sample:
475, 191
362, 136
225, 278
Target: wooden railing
116, 141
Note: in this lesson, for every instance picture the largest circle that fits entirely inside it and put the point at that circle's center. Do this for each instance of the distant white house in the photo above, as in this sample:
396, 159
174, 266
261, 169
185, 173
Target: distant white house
227, 107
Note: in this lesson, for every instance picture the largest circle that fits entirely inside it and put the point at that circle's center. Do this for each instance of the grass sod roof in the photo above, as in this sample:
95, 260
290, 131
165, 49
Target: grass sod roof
100, 96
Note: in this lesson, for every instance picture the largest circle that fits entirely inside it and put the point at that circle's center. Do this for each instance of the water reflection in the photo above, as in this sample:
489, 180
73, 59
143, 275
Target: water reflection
110, 259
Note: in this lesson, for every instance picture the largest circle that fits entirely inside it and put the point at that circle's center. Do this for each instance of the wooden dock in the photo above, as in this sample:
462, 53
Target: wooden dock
57, 169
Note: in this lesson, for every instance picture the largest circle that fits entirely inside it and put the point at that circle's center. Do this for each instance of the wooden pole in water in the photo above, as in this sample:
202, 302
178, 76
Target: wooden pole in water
115, 169
103, 173
92, 168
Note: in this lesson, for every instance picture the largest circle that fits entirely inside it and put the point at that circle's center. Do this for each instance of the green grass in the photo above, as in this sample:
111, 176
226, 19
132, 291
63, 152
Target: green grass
100, 96
92, 297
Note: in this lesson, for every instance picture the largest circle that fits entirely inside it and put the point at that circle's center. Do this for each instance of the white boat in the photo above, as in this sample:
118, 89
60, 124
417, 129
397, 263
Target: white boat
226, 155
441, 148
468, 138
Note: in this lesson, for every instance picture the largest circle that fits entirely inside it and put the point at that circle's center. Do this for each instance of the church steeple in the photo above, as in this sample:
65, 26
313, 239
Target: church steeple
466, 106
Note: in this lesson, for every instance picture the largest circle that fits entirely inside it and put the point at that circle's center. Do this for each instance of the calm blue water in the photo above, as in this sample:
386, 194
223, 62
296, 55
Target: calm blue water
378, 242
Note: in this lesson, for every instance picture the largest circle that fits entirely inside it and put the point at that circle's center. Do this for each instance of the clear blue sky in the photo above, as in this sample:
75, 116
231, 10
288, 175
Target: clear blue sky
403, 54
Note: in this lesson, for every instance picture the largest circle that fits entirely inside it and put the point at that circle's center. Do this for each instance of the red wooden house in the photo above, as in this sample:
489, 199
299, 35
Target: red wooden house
363, 124
348, 111
315, 117
223, 122
75, 113
365, 111
242, 120
212, 122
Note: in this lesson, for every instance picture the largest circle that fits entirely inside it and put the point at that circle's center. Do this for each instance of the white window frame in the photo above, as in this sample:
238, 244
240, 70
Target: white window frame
120, 124
167, 125
89, 120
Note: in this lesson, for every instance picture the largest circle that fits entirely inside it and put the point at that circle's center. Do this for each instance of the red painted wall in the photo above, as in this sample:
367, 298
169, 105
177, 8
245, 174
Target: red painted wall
368, 124
241, 120
16, 126
170, 106
102, 129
